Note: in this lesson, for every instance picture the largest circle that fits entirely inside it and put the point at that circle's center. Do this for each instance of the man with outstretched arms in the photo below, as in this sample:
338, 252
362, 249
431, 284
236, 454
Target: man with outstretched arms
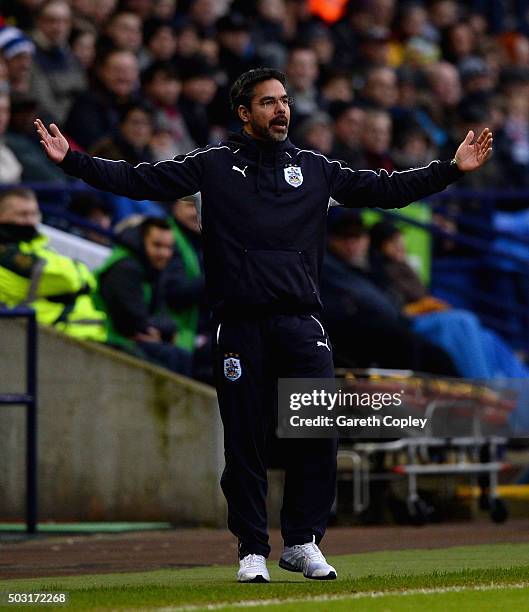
264, 208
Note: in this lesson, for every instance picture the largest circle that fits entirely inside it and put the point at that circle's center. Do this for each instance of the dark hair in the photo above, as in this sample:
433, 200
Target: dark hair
152, 26
84, 203
168, 69
345, 223
381, 232
103, 55
149, 222
242, 91
125, 109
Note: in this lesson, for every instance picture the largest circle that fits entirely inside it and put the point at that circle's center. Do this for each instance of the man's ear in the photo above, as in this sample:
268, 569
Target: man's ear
244, 114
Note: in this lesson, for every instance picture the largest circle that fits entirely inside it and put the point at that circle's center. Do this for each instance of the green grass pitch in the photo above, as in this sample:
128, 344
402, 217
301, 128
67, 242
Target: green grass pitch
489, 577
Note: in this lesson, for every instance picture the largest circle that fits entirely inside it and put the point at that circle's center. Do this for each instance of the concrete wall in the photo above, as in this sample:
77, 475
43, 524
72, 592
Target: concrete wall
119, 439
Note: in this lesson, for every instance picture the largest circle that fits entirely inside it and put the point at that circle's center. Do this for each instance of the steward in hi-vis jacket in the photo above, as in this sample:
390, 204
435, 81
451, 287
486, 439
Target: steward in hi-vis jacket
264, 208
59, 288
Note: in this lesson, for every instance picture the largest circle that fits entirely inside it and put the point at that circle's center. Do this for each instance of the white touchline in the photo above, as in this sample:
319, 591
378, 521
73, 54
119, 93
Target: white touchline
253, 603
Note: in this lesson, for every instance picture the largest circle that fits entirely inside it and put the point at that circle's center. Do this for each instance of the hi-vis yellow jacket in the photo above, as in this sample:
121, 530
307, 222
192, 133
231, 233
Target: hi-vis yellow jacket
57, 287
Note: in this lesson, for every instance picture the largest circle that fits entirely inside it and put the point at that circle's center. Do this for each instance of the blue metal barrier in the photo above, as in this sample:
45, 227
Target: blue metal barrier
29, 399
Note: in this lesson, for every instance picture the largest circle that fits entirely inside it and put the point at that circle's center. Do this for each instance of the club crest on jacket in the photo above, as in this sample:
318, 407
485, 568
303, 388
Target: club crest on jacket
293, 176
232, 366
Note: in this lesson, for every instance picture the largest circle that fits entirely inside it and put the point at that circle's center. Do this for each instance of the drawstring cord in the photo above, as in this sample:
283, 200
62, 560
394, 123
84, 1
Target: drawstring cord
259, 172
275, 173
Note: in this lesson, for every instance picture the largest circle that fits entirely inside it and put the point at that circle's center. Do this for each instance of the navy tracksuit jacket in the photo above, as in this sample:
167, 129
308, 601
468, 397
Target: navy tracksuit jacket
264, 208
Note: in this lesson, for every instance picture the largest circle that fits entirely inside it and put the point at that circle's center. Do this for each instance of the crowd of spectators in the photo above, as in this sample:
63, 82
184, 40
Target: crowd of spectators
376, 83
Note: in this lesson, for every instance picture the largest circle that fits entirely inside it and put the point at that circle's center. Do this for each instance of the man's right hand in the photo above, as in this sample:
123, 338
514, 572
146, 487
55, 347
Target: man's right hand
55, 144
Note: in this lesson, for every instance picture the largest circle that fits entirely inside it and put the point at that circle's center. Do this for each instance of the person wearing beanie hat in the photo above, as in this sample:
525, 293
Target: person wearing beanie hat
17, 50
13, 41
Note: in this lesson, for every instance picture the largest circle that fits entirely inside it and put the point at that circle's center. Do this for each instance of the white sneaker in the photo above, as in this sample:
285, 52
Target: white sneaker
307, 558
253, 569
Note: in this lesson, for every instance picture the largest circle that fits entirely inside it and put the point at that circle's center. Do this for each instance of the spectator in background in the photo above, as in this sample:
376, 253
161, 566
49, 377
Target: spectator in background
94, 113
92, 15
476, 78
122, 31
476, 351
375, 141
268, 32
336, 85
413, 148
162, 86
83, 46
374, 50
445, 95
17, 51
131, 286
20, 138
164, 10
236, 50
348, 32
198, 91
513, 142
380, 89
187, 42
320, 40
299, 20
236, 55
159, 40
203, 15
383, 13
365, 327
302, 75
410, 111
444, 14
132, 140
316, 133
58, 288
141, 8
348, 124
458, 42
57, 76
10, 167
185, 288
97, 212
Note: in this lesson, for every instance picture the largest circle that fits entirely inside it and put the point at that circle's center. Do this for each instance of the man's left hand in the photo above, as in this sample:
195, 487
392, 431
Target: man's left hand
470, 156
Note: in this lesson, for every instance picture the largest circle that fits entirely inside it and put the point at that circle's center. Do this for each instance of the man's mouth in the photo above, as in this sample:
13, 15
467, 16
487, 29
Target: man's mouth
280, 121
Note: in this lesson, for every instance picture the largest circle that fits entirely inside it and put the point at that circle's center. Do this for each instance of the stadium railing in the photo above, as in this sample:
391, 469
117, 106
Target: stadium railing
29, 400
475, 234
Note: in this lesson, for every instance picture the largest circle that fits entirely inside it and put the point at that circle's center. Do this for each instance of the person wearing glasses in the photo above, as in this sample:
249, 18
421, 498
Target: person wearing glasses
263, 217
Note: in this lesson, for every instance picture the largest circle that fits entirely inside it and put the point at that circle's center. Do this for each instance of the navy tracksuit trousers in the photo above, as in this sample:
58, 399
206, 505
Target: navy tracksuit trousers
250, 355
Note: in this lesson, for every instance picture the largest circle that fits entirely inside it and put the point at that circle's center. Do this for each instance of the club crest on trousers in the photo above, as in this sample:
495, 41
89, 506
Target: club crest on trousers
293, 176
232, 366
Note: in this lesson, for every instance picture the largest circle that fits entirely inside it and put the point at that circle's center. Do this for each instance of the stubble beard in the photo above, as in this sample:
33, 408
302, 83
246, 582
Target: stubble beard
269, 135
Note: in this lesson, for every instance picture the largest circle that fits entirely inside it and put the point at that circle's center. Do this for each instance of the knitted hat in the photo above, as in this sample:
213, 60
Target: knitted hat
13, 42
